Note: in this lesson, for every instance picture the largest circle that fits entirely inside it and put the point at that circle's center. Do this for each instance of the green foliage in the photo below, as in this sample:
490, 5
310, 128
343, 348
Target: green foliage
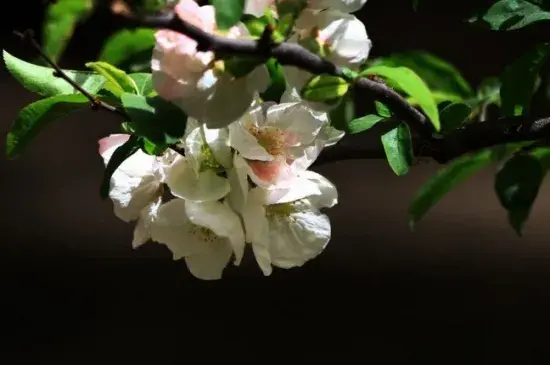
41, 80
119, 156
127, 44
35, 116
519, 81
144, 83
517, 184
443, 79
159, 121
398, 147
409, 82
488, 92
341, 115
453, 115
513, 14
60, 21
362, 124
240, 66
325, 88
118, 82
228, 12
277, 84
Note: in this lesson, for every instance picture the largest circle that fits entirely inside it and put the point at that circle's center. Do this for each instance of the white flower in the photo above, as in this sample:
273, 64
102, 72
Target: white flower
277, 140
193, 81
284, 226
206, 235
136, 185
196, 176
345, 6
341, 38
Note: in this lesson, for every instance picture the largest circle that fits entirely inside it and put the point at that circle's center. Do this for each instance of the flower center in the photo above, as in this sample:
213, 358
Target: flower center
281, 210
203, 234
208, 161
271, 138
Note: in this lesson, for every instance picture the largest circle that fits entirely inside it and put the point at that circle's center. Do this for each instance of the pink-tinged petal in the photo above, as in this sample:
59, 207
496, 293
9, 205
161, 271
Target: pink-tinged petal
207, 15
112, 141
189, 11
267, 173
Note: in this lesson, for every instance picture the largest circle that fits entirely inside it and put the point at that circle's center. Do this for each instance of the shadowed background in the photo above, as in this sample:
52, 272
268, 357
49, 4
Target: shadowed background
461, 289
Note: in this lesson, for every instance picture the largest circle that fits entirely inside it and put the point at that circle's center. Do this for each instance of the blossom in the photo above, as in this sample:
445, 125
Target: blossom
345, 6
196, 176
136, 185
206, 235
193, 80
285, 226
277, 140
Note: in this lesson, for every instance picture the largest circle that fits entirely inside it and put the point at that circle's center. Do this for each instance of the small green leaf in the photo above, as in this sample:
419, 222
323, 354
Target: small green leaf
228, 12
382, 109
364, 123
513, 14
60, 21
517, 185
154, 118
277, 86
255, 26
453, 115
519, 80
240, 66
325, 88
341, 115
445, 180
126, 44
488, 91
398, 147
118, 82
443, 79
144, 83
34, 117
120, 155
150, 148
408, 81
41, 80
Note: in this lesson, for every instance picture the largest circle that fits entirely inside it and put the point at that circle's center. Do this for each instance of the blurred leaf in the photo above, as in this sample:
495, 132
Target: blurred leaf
443, 79
398, 147
228, 12
144, 83
364, 123
150, 148
240, 66
454, 115
34, 117
158, 120
126, 44
343, 113
408, 81
513, 14
118, 82
60, 21
41, 80
519, 81
324, 88
120, 155
489, 91
517, 185
277, 86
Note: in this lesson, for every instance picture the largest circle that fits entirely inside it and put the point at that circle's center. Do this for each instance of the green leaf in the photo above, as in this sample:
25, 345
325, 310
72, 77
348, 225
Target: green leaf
60, 21
398, 147
150, 148
160, 121
488, 91
120, 155
513, 14
144, 83
277, 86
382, 109
126, 44
118, 82
445, 180
325, 88
240, 66
408, 81
443, 79
341, 115
517, 185
452, 116
40, 80
359, 125
34, 117
255, 26
228, 12
519, 80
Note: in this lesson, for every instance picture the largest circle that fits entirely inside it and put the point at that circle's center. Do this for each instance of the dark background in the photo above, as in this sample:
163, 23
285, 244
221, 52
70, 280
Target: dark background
461, 289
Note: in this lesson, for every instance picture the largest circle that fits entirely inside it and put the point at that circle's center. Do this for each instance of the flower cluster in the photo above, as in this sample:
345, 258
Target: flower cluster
243, 179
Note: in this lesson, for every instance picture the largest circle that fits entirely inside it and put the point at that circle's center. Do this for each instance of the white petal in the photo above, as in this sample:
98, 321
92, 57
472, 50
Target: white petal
346, 6
257, 232
218, 141
247, 145
308, 156
221, 220
184, 183
305, 237
268, 173
193, 148
258, 80
173, 229
238, 181
301, 188
131, 194
256, 7
329, 195
142, 230
296, 120
210, 266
